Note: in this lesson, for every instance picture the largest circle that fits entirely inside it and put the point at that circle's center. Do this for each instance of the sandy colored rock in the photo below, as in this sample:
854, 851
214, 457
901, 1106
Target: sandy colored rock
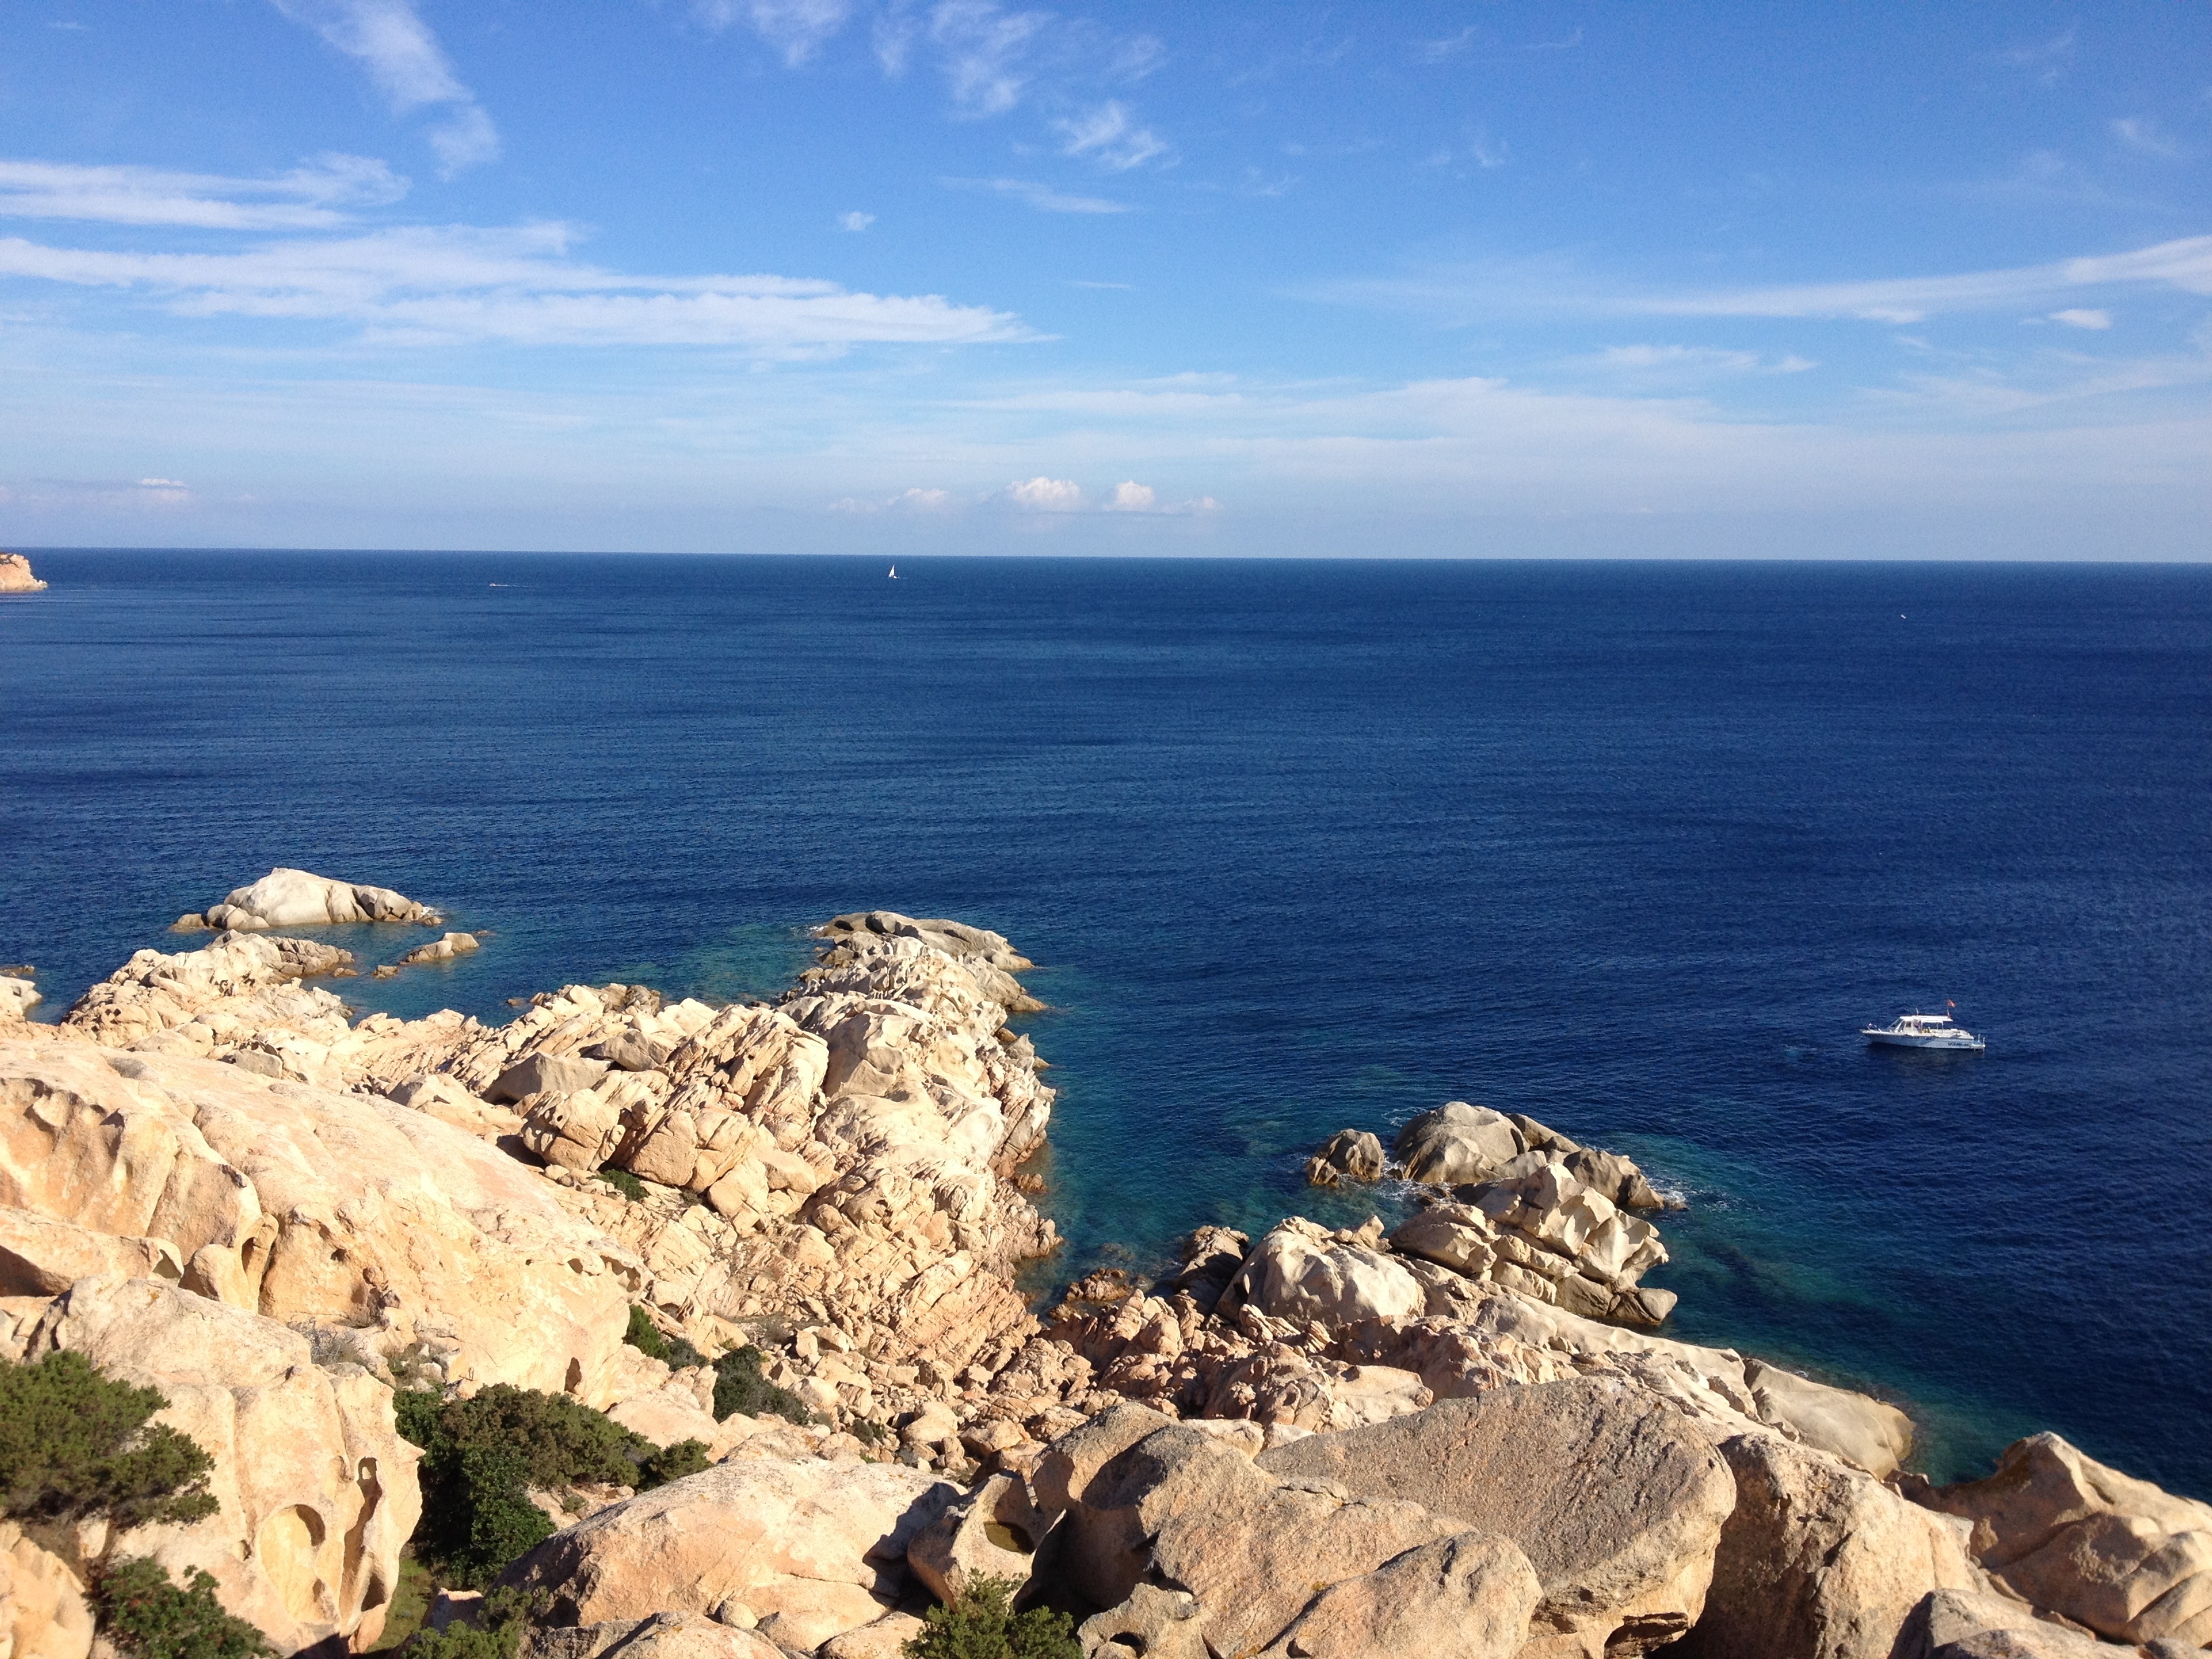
41, 1257
545, 1074
443, 1099
1870, 1433
808, 1542
43, 1611
2121, 1556
158, 991
1457, 1143
1962, 1625
1615, 1498
17, 997
1469, 1597
663, 1635
988, 1535
1819, 1559
317, 1490
1151, 1624
15, 575
1347, 1155
1454, 1236
1301, 1272
886, 1639
298, 898
440, 949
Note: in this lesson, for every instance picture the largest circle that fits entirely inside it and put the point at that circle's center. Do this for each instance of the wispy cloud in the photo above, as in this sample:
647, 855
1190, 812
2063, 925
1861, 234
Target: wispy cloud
1451, 45
1043, 197
308, 198
856, 221
1109, 137
408, 66
985, 48
796, 28
2140, 132
907, 501
2082, 317
1691, 362
515, 286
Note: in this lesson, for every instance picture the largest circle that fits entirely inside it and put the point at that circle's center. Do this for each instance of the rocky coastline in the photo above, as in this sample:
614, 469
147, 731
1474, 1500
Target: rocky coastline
1469, 1436
16, 575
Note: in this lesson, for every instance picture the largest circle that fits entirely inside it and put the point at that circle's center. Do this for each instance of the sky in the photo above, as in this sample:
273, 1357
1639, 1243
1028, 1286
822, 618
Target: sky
1489, 279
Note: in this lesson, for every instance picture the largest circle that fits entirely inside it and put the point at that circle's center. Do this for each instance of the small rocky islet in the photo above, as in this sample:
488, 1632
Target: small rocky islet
1465, 1438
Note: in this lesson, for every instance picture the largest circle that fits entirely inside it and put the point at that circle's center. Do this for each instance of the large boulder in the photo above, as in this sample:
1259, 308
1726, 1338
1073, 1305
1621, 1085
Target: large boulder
17, 997
1962, 1625
803, 1550
245, 984
1615, 1498
2122, 1556
1181, 1508
1457, 1143
302, 1203
43, 1611
1303, 1272
1351, 1154
316, 1490
1819, 1560
1468, 1596
15, 575
41, 1256
296, 898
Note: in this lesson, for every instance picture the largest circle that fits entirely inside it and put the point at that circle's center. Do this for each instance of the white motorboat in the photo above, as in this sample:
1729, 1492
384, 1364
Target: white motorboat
1917, 1030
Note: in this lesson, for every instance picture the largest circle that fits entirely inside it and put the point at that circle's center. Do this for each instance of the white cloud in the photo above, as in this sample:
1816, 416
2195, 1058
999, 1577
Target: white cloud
160, 484
2082, 316
515, 286
1436, 51
1043, 494
308, 198
2140, 132
1697, 360
1107, 136
1043, 197
923, 501
1131, 496
407, 64
856, 221
983, 46
796, 28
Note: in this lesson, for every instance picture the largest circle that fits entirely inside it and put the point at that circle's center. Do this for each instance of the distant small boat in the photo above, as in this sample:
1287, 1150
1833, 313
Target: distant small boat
894, 573
1919, 1031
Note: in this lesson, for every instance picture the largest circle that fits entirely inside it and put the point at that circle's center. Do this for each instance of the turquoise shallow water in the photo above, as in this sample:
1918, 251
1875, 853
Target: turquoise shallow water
1634, 849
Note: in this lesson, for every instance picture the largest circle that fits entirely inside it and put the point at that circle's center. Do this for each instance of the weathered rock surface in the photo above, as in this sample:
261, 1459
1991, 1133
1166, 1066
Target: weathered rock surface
43, 1611
1299, 1271
15, 575
297, 899
444, 949
991, 1533
1819, 1559
2122, 1556
1468, 1596
1347, 1155
803, 1552
17, 997
1615, 1498
240, 988
317, 1490
41, 1256
1961, 1624
1457, 1143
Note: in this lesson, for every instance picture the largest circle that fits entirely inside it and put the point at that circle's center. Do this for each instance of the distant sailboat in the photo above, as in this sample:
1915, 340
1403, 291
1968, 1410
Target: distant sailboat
894, 573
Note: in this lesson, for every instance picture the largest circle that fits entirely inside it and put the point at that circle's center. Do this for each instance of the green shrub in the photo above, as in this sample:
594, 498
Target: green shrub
648, 1339
870, 1434
983, 1625
482, 1456
739, 1387
75, 1444
147, 1617
503, 1617
623, 1182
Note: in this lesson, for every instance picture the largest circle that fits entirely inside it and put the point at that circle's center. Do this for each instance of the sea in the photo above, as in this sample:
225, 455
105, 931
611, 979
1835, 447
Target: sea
1635, 847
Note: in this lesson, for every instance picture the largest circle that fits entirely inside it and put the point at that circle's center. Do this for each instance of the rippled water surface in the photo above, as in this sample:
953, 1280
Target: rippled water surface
1633, 848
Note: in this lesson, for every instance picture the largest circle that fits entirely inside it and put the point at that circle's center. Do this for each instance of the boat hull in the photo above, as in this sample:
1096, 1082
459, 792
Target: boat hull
1894, 1040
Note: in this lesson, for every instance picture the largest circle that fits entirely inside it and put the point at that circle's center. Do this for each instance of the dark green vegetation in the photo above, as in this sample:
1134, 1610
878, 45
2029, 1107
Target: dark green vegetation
411, 1605
505, 1615
75, 1444
983, 1625
645, 1337
739, 1387
482, 1456
147, 1617
623, 1182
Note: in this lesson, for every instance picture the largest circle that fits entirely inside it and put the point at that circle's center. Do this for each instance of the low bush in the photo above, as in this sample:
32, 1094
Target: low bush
502, 1620
623, 1182
646, 1338
739, 1387
75, 1445
482, 1457
147, 1617
983, 1625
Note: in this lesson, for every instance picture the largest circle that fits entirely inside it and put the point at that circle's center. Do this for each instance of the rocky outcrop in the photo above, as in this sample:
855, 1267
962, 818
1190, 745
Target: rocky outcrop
43, 1611
316, 1489
1273, 1564
1305, 1272
801, 1552
297, 899
1819, 1559
16, 577
1347, 1155
1960, 1625
238, 991
41, 1256
444, 949
1461, 1145
1616, 1500
17, 997
2116, 1554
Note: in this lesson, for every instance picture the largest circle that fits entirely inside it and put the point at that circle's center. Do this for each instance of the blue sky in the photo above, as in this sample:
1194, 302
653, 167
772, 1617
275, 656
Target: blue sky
1489, 279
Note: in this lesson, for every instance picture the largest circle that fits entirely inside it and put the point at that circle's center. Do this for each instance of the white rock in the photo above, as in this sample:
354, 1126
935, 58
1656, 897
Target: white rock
296, 898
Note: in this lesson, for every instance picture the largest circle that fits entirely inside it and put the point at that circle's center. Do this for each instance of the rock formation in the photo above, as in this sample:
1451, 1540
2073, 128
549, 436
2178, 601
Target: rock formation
296, 898
15, 575
1461, 1437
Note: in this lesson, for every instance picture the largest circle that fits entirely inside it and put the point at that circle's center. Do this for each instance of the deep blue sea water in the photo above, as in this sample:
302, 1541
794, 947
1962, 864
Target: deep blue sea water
1633, 848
